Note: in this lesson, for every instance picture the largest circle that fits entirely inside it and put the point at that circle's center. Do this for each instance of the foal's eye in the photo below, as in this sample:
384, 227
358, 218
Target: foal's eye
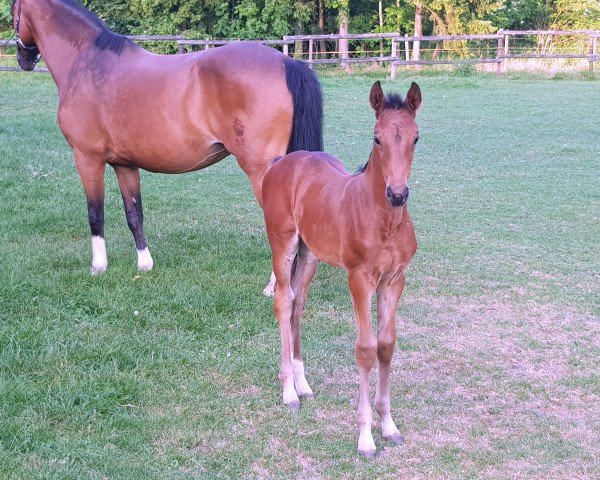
416, 140
377, 140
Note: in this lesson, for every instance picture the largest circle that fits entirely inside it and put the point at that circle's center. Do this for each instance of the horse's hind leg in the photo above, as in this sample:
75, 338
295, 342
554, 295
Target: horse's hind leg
91, 171
388, 296
306, 267
284, 246
129, 182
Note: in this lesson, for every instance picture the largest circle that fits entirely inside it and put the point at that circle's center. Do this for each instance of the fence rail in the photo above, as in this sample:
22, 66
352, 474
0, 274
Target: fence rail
412, 51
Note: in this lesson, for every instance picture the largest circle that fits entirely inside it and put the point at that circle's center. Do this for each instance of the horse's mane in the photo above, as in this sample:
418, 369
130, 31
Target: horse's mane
106, 39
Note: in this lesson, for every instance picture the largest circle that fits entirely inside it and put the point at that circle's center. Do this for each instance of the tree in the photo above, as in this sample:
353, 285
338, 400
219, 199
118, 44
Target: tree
6, 27
576, 15
343, 21
524, 14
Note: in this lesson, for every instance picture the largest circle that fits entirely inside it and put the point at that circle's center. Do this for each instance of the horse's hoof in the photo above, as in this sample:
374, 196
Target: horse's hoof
307, 396
98, 270
294, 405
369, 454
396, 439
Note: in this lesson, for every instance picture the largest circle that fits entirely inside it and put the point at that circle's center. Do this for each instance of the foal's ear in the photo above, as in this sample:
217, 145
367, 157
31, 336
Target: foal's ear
413, 98
376, 98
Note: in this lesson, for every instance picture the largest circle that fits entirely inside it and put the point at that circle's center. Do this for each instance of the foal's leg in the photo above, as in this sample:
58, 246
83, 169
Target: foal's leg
306, 267
91, 171
129, 182
361, 289
388, 296
284, 248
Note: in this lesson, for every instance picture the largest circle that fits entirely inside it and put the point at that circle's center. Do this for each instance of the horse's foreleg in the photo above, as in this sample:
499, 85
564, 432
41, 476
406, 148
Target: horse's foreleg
91, 171
306, 267
361, 290
388, 296
129, 183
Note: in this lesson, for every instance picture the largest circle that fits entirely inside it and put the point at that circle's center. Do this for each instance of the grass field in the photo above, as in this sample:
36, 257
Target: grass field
173, 374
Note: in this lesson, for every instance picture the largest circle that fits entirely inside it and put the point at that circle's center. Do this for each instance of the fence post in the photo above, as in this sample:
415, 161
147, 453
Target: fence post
286, 48
407, 50
310, 52
506, 52
499, 56
591, 53
394, 58
595, 48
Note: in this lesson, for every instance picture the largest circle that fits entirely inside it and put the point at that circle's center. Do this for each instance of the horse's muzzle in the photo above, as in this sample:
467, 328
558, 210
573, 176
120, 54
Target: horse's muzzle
399, 198
28, 61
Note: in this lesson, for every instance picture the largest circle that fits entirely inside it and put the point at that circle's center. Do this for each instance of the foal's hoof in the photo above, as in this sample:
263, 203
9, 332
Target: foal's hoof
98, 270
294, 405
307, 396
396, 439
368, 454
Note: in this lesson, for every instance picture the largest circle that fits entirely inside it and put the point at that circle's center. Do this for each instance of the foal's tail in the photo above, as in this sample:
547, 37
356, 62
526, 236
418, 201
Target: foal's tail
307, 125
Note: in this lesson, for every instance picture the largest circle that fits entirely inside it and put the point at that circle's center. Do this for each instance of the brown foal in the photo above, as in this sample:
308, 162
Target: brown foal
314, 209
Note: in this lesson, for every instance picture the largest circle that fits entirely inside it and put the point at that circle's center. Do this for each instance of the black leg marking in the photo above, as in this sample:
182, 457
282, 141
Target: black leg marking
135, 219
96, 217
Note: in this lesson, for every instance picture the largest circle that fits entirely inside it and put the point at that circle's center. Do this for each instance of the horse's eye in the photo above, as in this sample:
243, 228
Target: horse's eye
416, 140
377, 140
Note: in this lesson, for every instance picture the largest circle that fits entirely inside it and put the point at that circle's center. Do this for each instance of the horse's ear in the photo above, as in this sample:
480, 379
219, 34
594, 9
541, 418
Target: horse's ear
376, 98
413, 98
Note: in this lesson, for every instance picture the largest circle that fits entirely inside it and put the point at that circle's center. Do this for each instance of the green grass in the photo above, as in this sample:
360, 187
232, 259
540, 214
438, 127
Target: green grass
496, 371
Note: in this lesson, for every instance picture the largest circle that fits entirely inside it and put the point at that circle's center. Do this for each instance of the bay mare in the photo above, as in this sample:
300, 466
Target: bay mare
314, 209
126, 107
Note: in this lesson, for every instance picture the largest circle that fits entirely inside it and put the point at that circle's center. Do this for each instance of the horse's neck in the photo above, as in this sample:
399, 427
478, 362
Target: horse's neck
61, 36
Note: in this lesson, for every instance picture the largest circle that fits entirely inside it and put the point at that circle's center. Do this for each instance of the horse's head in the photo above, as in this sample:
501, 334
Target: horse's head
28, 54
396, 134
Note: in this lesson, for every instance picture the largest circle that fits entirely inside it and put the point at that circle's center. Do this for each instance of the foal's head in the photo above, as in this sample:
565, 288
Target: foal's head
396, 134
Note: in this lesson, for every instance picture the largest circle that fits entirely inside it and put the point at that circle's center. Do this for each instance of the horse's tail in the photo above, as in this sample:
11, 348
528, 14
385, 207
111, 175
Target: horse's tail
307, 123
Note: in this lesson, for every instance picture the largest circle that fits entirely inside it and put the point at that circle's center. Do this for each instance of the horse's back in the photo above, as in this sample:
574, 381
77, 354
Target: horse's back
183, 106
299, 169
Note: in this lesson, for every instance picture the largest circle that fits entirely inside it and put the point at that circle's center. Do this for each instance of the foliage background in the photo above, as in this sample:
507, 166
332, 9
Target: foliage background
275, 18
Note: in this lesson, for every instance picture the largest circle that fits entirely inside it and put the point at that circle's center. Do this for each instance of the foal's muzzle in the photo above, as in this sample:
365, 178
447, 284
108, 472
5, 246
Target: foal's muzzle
398, 198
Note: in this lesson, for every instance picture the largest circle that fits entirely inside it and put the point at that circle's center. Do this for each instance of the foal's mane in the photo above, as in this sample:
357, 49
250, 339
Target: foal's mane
393, 101
106, 39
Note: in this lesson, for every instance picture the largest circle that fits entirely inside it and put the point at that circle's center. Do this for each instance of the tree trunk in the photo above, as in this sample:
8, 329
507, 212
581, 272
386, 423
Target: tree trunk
438, 49
298, 50
298, 46
344, 16
418, 31
381, 27
322, 46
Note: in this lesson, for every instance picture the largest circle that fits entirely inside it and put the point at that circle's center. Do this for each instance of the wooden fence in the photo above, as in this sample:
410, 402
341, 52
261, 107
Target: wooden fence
414, 52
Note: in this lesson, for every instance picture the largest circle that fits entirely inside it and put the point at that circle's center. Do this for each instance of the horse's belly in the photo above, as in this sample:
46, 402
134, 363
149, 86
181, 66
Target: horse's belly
172, 160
